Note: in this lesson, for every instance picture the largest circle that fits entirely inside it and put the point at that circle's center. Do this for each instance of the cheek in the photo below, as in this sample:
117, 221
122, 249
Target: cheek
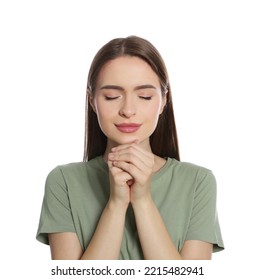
100, 109
153, 113
104, 115
154, 109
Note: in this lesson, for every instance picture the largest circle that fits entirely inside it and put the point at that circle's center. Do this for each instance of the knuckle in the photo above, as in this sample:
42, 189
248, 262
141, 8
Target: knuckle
131, 148
130, 157
130, 168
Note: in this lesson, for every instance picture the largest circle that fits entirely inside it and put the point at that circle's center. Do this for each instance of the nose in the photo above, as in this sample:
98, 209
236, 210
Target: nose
128, 108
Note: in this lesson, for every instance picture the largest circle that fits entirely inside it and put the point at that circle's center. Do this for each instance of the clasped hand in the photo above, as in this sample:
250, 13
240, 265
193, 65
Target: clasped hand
131, 168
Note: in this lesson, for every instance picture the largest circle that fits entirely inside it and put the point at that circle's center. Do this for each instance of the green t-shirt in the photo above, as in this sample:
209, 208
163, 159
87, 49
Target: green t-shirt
185, 194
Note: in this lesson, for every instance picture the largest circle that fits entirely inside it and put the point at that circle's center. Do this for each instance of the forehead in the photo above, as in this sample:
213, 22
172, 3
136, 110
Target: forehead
127, 70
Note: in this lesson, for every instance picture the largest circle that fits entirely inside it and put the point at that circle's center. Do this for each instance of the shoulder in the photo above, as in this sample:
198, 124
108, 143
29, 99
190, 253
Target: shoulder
76, 170
58, 172
188, 168
197, 175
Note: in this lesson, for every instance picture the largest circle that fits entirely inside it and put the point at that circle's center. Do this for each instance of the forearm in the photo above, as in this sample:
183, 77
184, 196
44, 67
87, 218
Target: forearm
154, 237
106, 241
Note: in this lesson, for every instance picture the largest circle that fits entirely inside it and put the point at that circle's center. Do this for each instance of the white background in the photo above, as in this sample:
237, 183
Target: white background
45, 51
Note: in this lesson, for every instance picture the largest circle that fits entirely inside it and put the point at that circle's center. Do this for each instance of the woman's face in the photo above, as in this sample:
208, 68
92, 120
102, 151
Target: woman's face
127, 101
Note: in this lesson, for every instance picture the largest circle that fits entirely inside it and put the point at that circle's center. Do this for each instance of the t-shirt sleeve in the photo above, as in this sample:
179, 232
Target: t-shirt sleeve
56, 213
204, 224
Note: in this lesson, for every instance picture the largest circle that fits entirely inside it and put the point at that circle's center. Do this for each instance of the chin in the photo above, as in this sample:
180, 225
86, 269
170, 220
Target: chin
125, 139
130, 139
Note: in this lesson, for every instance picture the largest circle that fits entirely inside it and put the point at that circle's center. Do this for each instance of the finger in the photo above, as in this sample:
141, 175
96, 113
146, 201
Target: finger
124, 146
129, 168
133, 154
114, 169
120, 176
134, 146
129, 158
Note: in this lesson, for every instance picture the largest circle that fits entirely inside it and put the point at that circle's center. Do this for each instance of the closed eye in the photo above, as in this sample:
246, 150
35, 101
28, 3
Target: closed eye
145, 97
110, 98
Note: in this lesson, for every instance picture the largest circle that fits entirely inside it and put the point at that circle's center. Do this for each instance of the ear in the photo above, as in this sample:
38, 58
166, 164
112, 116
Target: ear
164, 100
91, 101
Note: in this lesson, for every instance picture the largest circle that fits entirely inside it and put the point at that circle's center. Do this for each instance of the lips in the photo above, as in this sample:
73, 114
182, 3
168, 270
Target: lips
128, 127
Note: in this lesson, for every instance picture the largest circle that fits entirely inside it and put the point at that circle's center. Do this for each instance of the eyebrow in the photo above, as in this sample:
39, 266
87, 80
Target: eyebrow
122, 89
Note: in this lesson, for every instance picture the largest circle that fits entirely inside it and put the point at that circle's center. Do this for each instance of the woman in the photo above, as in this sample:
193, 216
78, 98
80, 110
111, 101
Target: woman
131, 198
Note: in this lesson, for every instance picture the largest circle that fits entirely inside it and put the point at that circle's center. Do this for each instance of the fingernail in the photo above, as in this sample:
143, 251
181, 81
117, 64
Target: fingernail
111, 156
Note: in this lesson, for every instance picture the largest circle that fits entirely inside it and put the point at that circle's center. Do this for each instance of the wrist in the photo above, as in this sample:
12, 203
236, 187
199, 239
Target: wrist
117, 206
143, 203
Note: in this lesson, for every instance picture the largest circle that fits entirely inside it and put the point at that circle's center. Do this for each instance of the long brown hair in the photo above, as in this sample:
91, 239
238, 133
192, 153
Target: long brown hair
163, 141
